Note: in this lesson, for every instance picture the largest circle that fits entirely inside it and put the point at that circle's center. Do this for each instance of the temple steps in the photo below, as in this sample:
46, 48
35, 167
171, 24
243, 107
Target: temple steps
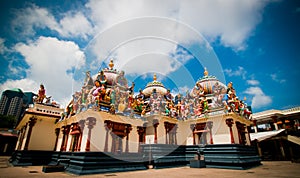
231, 156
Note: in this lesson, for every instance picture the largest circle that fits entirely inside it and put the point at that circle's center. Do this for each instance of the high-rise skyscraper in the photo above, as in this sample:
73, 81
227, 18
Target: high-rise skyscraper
11, 103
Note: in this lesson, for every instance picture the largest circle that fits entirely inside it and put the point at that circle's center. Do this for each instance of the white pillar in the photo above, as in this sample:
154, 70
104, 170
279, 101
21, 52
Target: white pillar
255, 129
276, 126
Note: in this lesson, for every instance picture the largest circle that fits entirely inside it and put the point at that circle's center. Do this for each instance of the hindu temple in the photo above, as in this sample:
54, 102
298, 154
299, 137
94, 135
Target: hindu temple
107, 127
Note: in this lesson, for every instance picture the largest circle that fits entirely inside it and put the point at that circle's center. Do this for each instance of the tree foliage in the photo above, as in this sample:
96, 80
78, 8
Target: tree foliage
7, 121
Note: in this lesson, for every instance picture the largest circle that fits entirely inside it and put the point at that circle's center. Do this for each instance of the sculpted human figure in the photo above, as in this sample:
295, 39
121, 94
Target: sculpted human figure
113, 96
140, 95
121, 80
101, 77
41, 94
88, 81
168, 96
131, 88
122, 104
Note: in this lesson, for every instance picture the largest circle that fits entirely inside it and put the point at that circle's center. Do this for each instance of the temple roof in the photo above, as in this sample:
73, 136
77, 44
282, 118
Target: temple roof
210, 82
160, 88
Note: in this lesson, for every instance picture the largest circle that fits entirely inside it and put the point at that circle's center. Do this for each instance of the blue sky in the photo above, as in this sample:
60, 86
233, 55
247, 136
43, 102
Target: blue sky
253, 43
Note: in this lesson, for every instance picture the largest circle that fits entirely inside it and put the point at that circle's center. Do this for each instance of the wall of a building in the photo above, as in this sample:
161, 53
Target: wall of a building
184, 133
43, 135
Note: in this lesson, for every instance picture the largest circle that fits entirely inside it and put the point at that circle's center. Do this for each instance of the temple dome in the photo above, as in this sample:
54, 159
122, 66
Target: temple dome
209, 83
158, 86
112, 75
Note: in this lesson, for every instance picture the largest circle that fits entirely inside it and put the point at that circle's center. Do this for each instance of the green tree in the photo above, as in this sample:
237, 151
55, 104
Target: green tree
7, 121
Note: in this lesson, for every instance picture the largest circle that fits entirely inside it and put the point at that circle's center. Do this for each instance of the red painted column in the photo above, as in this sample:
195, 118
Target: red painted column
210, 125
155, 125
167, 131
91, 123
128, 129
65, 131
141, 132
31, 122
56, 140
239, 129
229, 122
63, 139
81, 125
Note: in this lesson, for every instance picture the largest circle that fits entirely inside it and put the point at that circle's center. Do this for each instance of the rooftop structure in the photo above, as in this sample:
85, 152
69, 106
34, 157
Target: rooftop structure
277, 134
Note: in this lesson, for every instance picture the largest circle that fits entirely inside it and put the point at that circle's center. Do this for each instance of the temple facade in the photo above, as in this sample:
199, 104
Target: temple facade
106, 116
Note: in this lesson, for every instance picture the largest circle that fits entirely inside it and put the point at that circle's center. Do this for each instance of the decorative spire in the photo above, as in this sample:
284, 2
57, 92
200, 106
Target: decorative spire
154, 77
111, 64
205, 72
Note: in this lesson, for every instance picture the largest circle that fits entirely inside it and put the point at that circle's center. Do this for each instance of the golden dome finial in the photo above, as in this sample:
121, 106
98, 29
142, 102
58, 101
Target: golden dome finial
154, 77
111, 64
205, 72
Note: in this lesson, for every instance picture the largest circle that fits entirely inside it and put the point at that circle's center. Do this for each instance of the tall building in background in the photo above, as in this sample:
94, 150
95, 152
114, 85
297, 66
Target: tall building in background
11, 103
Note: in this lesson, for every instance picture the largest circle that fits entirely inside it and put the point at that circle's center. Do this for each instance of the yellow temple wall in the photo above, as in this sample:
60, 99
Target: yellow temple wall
43, 135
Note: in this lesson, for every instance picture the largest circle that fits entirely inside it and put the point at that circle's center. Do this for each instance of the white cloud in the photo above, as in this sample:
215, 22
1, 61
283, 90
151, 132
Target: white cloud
29, 18
232, 21
3, 48
23, 84
253, 82
163, 57
275, 78
259, 98
182, 90
239, 72
73, 24
49, 60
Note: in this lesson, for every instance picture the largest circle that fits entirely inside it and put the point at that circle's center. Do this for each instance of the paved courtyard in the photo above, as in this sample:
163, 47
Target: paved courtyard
267, 169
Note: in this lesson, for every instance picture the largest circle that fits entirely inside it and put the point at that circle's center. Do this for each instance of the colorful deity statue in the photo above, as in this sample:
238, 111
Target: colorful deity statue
113, 96
122, 104
205, 105
198, 90
102, 93
130, 100
167, 109
131, 88
139, 104
88, 81
168, 96
121, 80
41, 94
141, 95
218, 92
96, 92
101, 77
